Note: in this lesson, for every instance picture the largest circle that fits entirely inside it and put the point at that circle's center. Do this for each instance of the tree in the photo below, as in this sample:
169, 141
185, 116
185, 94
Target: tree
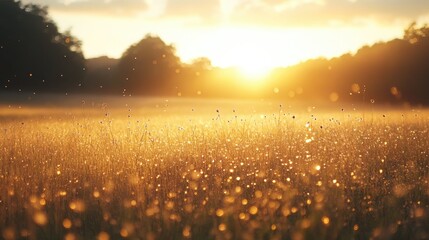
149, 67
34, 55
413, 34
202, 64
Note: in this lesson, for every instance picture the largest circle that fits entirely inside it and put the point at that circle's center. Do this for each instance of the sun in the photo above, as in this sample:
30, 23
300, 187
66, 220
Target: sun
254, 71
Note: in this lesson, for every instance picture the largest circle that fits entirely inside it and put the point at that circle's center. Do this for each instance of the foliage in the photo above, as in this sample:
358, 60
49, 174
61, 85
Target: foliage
396, 71
413, 34
149, 66
102, 76
34, 55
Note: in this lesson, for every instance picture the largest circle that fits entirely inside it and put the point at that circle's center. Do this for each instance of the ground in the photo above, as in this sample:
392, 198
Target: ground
159, 168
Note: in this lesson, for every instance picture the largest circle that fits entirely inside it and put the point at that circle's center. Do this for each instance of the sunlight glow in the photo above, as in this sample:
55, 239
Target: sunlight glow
226, 45
254, 71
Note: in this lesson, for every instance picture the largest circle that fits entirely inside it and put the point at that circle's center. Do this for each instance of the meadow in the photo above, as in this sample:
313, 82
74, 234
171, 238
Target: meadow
211, 169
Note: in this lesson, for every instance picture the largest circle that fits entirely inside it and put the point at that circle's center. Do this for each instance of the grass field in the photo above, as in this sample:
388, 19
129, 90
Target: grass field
179, 169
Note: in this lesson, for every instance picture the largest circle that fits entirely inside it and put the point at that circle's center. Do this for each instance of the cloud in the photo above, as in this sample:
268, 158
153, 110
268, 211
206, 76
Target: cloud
276, 13
321, 12
99, 7
205, 11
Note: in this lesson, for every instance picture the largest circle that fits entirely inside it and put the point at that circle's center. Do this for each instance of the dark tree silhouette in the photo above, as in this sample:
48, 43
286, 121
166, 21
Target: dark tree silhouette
413, 34
149, 67
396, 71
202, 64
102, 76
34, 55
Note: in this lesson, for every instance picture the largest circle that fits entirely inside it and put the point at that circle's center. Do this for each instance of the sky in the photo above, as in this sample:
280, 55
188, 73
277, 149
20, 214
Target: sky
253, 34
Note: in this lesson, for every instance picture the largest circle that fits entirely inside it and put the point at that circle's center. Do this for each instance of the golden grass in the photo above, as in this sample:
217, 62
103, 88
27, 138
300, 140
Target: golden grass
219, 171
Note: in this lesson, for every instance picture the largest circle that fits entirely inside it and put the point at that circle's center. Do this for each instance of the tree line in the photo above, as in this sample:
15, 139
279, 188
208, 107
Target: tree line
396, 71
35, 56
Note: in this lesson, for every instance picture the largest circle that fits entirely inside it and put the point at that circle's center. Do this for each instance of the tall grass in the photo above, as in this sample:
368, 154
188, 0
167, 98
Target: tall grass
214, 173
